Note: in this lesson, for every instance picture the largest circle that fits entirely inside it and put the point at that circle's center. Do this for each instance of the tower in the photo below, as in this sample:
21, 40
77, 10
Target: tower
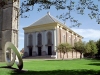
8, 25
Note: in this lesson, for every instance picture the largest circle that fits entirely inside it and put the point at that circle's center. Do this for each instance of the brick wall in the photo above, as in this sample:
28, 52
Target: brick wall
71, 55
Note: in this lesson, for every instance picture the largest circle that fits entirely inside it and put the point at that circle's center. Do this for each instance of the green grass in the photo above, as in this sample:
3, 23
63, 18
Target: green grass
56, 67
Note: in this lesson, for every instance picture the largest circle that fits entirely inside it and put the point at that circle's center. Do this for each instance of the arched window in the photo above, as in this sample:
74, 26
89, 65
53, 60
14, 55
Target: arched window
39, 37
49, 38
30, 40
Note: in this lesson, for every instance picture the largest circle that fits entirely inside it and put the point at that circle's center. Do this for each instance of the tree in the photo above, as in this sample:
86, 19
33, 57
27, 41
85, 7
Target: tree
98, 46
80, 47
78, 6
61, 49
68, 48
64, 48
91, 48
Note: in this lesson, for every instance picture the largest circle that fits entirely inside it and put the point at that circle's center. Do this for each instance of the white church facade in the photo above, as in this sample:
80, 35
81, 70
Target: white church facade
42, 37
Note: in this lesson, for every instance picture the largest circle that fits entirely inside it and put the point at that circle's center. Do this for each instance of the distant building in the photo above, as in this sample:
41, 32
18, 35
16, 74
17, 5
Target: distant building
42, 37
22, 51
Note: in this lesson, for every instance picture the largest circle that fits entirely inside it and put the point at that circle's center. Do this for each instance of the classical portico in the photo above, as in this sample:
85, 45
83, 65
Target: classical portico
39, 43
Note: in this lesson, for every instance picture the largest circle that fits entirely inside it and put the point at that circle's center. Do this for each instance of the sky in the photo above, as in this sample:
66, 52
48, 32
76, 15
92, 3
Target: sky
89, 29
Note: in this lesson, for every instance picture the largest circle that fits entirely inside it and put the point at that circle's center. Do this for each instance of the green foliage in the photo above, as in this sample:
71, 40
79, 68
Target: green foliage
80, 47
98, 46
64, 48
91, 48
78, 6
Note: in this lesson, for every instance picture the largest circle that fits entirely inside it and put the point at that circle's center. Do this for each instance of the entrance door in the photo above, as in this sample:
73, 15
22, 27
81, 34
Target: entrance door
30, 51
49, 50
39, 51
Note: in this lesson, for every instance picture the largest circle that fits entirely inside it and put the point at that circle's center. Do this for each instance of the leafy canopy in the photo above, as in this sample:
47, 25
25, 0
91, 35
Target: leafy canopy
91, 47
78, 6
79, 46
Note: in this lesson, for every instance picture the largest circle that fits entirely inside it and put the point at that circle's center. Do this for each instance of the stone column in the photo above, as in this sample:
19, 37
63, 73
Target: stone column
25, 45
56, 36
60, 34
54, 39
44, 42
36, 42
33, 41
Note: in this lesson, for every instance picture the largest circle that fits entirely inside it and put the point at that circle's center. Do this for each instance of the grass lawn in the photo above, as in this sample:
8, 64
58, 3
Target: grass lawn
55, 67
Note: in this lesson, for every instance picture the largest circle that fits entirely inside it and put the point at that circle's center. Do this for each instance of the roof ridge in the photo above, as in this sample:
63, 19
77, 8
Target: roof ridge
51, 17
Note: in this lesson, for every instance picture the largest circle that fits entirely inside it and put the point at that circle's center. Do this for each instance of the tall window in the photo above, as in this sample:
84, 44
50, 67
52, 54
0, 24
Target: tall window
30, 40
75, 40
64, 39
49, 38
70, 40
39, 37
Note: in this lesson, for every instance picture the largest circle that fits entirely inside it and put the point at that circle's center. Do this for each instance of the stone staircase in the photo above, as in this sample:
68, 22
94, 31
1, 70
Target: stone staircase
41, 57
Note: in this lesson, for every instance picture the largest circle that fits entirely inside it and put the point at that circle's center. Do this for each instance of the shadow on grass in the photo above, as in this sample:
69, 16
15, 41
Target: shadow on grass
15, 71
53, 72
95, 64
57, 72
93, 60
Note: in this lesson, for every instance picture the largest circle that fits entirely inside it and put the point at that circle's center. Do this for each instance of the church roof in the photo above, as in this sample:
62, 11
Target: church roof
45, 20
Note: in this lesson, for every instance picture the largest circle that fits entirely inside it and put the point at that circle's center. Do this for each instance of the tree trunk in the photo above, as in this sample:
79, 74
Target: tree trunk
76, 54
60, 55
67, 54
92, 55
63, 56
80, 55
72, 53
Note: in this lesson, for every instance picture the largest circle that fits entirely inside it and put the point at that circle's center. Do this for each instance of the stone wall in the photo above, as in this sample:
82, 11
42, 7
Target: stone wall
8, 26
0, 34
0, 22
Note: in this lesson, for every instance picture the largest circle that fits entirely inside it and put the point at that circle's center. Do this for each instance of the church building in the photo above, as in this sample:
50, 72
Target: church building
42, 37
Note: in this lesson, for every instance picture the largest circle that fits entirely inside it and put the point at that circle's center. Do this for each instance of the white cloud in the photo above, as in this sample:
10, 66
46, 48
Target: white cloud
90, 34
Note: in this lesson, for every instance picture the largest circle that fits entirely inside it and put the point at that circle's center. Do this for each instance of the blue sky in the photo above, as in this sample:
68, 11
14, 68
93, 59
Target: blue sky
89, 29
